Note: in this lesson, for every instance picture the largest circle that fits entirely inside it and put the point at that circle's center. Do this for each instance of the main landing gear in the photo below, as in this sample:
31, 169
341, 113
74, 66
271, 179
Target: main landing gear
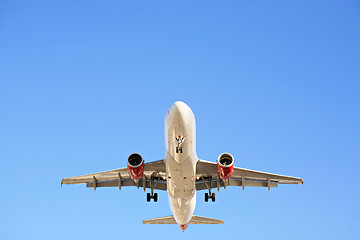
151, 196
209, 195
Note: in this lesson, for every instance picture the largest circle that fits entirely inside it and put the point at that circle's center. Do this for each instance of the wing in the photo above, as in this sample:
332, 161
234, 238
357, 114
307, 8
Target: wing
207, 174
153, 174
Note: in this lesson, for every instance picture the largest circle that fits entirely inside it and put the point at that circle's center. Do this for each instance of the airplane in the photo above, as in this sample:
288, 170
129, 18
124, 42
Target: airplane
181, 173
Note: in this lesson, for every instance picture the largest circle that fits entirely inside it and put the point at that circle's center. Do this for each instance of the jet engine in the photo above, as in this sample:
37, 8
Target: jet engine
225, 166
135, 166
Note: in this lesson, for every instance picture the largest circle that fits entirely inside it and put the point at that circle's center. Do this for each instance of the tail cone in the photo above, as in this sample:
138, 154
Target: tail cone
183, 226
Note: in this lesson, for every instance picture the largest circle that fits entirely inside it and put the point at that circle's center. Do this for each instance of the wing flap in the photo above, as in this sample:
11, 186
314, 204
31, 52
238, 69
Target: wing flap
202, 185
159, 185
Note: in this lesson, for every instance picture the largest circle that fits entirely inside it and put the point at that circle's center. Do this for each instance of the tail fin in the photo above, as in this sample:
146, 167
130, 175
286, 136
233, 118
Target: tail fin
194, 220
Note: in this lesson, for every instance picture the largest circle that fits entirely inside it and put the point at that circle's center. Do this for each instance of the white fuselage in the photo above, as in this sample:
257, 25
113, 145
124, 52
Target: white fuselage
180, 161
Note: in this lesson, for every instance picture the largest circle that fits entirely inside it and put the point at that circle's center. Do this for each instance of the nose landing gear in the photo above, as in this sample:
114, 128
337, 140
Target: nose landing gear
179, 149
179, 141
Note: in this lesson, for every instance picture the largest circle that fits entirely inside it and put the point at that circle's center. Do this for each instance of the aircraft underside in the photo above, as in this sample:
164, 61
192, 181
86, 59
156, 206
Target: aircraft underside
181, 173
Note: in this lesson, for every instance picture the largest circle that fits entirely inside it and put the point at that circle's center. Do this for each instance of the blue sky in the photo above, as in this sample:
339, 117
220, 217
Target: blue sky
83, 84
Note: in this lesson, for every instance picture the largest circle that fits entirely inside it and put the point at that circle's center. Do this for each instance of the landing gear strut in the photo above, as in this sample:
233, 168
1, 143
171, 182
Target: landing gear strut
209, 195
152, 195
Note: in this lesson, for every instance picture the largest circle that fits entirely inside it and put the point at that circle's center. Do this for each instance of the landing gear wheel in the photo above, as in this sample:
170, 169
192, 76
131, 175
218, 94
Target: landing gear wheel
155, 197
213, 197
206, 197
151, 196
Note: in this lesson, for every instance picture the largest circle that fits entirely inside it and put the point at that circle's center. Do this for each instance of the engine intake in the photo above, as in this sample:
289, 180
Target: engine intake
225, 166
135, 166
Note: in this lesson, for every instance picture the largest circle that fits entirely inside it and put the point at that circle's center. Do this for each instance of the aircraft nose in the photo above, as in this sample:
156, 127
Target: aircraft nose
179, 113
183, 226
176, 111
178, 106
179, 109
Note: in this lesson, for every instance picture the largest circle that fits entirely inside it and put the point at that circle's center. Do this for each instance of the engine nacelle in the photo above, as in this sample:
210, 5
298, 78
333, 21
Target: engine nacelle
225, 166
135, 166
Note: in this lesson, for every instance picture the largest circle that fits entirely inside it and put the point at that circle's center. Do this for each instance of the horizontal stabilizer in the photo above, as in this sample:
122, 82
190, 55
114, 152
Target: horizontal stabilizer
205, 220
161, 220
194, 220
